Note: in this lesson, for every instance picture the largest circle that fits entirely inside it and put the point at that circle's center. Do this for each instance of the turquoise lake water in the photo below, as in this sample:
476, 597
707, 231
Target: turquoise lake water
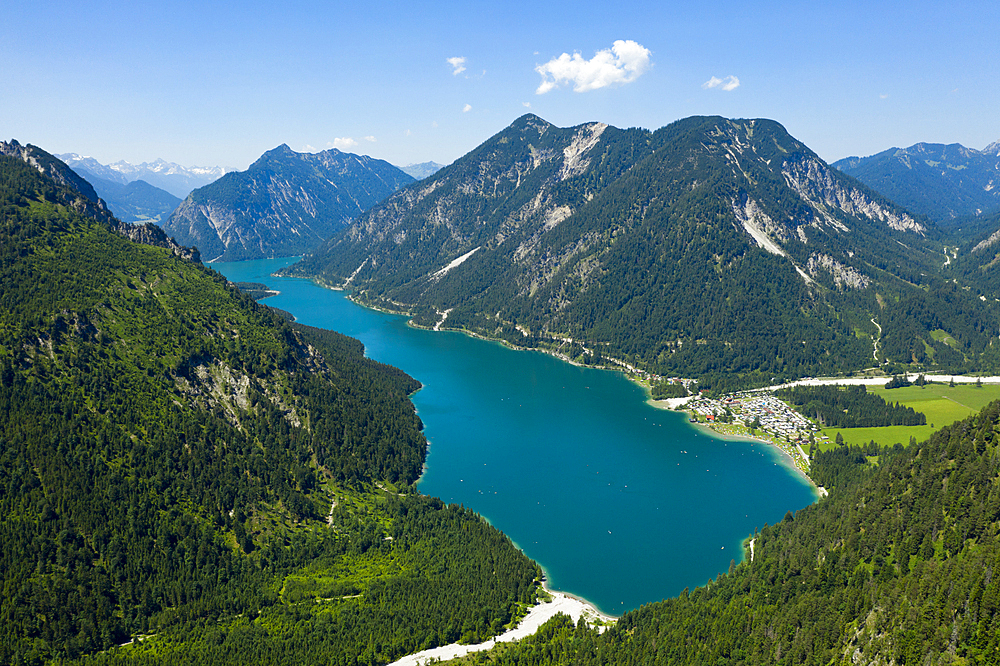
620, 502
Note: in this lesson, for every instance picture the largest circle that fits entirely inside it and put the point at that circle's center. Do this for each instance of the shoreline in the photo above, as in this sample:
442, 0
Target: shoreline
788, 460
561, 602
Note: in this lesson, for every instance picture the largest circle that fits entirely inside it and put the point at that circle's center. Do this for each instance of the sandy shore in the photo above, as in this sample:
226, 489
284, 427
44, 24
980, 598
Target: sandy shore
537, 616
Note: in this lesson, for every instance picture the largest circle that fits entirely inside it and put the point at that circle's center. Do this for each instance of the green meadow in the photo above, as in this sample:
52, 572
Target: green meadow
942, 404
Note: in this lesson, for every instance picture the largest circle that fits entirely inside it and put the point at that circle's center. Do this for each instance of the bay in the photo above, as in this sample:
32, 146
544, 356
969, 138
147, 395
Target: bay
620, 502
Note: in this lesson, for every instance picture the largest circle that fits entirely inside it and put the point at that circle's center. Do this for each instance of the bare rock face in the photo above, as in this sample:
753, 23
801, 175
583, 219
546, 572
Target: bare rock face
57, 170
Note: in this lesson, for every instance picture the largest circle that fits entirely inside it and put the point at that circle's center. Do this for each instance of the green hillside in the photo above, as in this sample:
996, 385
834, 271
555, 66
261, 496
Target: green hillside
179, 464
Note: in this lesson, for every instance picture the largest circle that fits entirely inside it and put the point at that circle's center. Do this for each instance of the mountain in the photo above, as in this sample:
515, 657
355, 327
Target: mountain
706, 248
87, 201
137, 201
941, 182
422, 170
174, 178
285, 204
976, 255
187, 478
53, 168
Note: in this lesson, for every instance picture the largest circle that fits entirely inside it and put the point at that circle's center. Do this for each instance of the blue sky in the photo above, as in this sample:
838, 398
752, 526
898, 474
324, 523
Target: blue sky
213, 83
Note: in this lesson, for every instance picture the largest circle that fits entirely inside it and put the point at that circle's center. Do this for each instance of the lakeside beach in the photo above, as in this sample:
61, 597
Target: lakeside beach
540, 613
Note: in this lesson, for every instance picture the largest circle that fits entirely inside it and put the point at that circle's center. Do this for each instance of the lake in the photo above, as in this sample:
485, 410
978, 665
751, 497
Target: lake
620, 502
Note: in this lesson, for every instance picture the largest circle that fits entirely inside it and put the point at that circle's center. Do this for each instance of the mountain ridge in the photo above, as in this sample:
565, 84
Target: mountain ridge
600, 235
176, 179
176, 456
942, 182
284, 204
138, 201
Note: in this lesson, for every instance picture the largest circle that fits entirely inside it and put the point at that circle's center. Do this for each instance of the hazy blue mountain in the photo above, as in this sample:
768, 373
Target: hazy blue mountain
422, 170
708, 246
137, 201
286, 203
174, 178
942, 182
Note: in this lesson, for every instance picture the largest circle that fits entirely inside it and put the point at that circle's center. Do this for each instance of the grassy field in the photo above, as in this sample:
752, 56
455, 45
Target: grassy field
942, 404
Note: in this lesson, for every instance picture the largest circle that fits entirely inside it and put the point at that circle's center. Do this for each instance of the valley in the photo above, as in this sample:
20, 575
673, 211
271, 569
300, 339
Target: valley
192, 430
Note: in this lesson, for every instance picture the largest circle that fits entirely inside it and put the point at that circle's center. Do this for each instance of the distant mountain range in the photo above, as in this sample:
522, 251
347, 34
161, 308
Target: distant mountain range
422, 170
169, 176
286, 203
706, 248
941, 182
135, 202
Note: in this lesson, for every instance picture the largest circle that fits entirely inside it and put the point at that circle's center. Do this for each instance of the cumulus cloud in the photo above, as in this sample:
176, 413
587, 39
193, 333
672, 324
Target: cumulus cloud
370, 138
624, 62
467, 108
457, 64
727, 84
343, 143
527, 105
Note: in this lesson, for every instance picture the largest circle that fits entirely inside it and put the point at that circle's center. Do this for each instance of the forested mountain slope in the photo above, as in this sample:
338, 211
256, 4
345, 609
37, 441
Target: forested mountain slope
899, 565
177, 462
940, 181
83, 198
286, 203
706, 248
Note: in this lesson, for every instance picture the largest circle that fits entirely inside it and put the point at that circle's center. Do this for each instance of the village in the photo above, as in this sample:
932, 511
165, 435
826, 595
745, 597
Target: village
761, 415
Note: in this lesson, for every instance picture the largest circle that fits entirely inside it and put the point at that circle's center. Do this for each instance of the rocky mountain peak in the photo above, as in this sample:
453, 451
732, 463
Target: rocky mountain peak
284, 204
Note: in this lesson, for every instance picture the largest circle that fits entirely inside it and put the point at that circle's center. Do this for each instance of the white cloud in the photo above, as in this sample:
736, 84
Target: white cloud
467, 108
458, 65
623, 63
727, 84
884, 96
370, 139
343, 143
527, 105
